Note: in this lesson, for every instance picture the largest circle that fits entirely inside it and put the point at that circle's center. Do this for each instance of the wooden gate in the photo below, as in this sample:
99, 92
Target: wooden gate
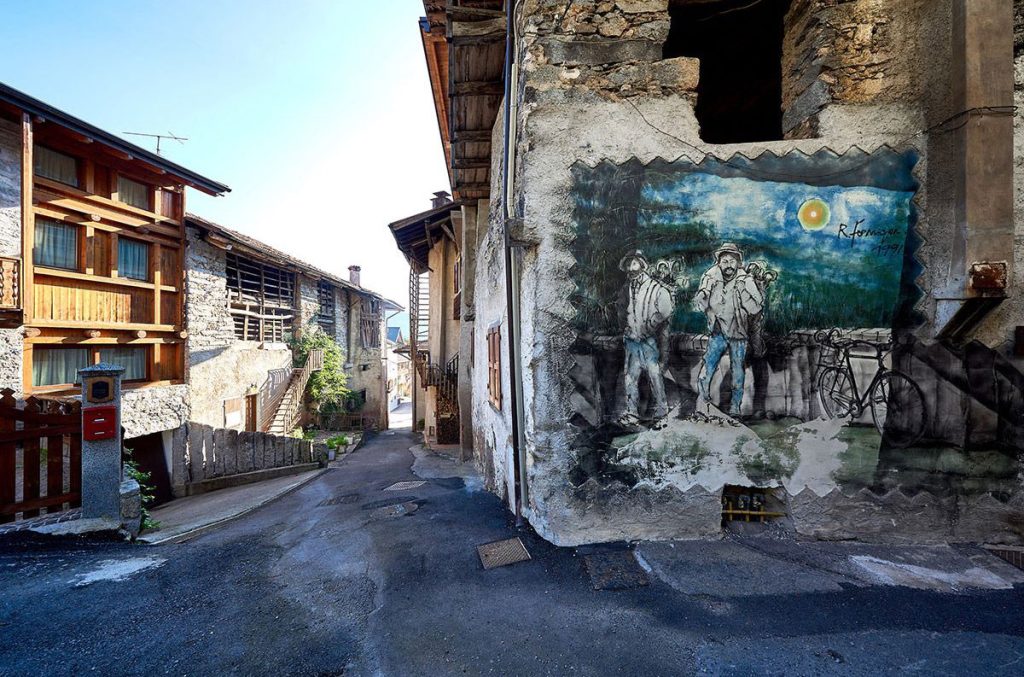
40, 456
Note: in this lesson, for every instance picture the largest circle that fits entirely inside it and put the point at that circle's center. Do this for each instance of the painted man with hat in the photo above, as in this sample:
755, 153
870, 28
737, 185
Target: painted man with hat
729, 297
646, 307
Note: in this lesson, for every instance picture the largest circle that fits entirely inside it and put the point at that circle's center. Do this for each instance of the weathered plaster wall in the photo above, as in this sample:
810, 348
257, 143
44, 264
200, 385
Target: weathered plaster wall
492, 428
596, 96
219, 366
998, 330
10, 244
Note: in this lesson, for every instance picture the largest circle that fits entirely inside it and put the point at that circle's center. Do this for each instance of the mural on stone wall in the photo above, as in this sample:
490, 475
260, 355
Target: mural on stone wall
740, 322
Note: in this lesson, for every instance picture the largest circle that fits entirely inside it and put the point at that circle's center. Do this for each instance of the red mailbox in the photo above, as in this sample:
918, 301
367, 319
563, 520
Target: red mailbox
99, 423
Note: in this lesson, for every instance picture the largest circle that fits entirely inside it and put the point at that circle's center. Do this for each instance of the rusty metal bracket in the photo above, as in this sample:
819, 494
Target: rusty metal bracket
988, 277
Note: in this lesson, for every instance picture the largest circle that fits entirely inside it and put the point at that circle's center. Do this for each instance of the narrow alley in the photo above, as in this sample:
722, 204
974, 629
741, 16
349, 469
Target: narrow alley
333, 579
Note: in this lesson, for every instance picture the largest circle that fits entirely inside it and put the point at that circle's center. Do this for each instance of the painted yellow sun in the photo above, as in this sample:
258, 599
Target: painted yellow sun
814, 214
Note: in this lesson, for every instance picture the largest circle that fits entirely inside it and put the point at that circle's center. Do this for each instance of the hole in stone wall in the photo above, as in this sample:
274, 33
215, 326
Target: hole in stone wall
739, 44
749, 504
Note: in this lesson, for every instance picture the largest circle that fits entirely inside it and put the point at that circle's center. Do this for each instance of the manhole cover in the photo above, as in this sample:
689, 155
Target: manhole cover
338, 500
387, 501
502, 553
398, 510
405, 486
616, 570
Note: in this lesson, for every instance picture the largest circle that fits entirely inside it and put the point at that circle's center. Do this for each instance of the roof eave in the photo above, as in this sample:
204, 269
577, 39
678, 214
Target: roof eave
41, 109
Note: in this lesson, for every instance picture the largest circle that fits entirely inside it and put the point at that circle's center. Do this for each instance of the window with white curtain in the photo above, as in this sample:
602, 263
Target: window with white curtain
132, 259
132, 192
132, 358
57, 366
56, 245
50, 164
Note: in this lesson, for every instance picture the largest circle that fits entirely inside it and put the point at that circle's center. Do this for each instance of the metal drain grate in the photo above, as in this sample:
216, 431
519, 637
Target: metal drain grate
338, 500
615, 570
405, 486
1013, 556
502, 553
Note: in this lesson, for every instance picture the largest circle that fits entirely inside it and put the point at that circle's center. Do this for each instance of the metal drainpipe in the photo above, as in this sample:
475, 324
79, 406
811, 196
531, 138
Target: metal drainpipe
515, 377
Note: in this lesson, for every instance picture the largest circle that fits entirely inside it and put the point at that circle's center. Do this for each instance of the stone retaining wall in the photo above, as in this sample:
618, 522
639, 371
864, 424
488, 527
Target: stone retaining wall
218, 452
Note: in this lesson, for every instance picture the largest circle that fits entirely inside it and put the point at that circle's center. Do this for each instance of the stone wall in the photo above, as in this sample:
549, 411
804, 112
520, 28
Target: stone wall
212, 454
153, 409
209, 323
368, 368
10, 243
852, 52
219, 366
309, 301
589, 96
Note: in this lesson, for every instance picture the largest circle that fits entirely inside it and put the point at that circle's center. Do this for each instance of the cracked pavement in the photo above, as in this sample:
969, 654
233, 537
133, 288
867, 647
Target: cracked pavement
324, 582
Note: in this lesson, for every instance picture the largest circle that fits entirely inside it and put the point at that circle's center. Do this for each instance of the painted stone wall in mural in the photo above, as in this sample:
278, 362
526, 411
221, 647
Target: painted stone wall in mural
745, 322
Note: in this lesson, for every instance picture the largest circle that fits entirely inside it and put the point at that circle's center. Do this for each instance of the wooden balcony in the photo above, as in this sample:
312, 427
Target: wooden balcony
10, 292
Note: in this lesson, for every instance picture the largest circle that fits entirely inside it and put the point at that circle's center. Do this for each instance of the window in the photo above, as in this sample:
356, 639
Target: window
56, 245
261, 298
58, 366
132, 192
494, 366
325, 308
50, 164
369, 322
132, 259
132, 358
739, 44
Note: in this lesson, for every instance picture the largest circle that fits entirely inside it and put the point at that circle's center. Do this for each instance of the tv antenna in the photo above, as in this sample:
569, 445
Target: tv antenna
160, 137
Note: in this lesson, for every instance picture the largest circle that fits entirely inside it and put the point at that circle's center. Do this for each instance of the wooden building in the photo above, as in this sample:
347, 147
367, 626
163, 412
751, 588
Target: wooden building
94, 271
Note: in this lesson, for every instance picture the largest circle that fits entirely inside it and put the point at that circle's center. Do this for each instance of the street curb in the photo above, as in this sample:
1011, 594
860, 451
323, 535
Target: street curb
192, 533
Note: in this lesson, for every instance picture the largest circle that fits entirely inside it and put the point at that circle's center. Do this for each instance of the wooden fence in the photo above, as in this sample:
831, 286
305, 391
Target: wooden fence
40, 456
218, 452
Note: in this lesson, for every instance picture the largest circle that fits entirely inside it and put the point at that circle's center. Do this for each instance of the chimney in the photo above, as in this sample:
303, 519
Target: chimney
353, 275
440, 199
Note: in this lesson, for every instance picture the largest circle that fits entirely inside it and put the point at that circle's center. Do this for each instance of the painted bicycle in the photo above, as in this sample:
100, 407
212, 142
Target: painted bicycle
896, 401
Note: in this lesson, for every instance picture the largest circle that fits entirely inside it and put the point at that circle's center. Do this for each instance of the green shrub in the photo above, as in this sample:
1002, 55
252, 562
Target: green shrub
337, 441
146, 490
326, 387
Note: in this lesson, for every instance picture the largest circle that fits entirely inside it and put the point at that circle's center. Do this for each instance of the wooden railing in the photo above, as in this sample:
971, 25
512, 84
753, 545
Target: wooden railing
284, 404
10, 283
271, 393
50, 445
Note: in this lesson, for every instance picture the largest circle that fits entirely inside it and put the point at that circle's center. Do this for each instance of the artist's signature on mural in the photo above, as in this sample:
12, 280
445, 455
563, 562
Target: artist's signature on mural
856, 233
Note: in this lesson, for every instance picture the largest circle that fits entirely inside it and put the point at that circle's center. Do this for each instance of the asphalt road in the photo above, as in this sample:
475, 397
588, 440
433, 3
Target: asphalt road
308, 589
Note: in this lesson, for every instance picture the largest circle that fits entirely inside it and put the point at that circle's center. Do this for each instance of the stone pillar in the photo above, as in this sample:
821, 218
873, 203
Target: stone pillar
101, 458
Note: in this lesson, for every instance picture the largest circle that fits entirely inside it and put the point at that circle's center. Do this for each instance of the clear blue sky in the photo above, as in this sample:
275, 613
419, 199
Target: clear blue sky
317, 113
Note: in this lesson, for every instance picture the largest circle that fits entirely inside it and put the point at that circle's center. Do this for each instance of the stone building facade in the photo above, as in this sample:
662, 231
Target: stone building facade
91, 236
10, 244
845, 226
225, 369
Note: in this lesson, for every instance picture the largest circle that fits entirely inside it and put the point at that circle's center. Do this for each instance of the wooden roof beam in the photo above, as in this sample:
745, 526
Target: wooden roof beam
461, 13
469, 40
479, 88
472, 136
471, 163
